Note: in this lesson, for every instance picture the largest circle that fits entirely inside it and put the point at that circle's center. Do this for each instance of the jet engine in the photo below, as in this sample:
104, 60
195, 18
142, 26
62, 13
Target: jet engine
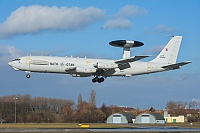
106, 65
85, 70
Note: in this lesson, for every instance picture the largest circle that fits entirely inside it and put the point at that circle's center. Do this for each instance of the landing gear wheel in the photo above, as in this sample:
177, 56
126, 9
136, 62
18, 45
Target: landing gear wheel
101, 79
28, 75
96, 79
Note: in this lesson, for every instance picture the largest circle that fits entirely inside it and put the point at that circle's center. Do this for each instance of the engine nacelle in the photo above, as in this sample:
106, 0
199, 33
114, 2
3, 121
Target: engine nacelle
106, 65
85, 70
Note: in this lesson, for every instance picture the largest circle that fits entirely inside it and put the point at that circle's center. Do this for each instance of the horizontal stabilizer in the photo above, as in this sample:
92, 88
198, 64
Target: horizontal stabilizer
176, 66
131, 59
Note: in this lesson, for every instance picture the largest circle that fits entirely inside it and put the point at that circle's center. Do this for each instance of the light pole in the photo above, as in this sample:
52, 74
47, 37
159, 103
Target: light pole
15, 110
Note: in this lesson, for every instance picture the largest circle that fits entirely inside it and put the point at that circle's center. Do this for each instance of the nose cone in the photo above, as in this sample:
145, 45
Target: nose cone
13, 65
10, 63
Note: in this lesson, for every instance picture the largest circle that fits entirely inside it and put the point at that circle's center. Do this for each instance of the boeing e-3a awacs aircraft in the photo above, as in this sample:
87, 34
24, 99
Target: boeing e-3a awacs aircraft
101, 68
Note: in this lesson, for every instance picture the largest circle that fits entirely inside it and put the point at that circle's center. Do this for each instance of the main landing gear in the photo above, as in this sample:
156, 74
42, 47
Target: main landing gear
97, 79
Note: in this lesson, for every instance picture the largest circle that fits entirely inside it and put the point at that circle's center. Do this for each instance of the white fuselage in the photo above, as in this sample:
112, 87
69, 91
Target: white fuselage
66, 65
100, 68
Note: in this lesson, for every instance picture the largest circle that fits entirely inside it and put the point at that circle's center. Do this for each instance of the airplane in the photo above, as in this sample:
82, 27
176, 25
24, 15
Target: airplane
102, 68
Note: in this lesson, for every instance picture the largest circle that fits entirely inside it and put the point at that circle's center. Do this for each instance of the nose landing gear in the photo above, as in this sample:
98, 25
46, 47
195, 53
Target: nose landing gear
97, 79
28, 75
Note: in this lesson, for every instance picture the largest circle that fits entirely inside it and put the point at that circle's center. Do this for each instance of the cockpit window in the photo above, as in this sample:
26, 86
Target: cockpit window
16, 60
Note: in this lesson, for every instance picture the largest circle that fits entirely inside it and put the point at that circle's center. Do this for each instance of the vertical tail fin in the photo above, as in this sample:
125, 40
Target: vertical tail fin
170, 52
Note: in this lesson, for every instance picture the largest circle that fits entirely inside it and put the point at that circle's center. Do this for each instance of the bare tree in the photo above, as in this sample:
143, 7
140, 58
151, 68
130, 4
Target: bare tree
106, 110
92, 100
80, 103
194, 104
171, 105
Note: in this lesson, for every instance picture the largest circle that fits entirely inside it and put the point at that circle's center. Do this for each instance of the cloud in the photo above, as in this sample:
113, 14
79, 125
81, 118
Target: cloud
154, 50
121, 19
6, 50
8, 53
164, 28
130, 11
118, 24
36, 18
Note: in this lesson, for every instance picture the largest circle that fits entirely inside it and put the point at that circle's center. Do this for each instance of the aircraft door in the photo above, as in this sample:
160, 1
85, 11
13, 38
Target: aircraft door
28, 61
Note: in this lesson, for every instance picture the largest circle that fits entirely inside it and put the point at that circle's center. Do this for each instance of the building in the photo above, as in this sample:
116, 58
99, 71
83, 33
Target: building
150, 118
121, 118
177, 119
174, 119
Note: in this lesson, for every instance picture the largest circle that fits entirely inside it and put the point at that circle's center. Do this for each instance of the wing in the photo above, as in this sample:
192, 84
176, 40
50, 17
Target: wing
176, 66
131, 59
117, 63
101, 67
124, 63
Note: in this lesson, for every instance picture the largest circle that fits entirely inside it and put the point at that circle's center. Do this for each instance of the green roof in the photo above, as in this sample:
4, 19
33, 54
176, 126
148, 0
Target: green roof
158, 116
129, 117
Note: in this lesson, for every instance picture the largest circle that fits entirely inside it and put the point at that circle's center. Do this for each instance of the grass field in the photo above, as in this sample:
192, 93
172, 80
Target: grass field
91, 125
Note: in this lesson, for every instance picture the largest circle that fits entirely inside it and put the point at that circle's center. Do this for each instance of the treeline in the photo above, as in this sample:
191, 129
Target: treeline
51, 110
190, 109
30, 109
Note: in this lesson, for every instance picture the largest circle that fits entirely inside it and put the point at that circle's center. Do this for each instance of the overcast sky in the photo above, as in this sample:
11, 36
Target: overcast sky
85, 28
